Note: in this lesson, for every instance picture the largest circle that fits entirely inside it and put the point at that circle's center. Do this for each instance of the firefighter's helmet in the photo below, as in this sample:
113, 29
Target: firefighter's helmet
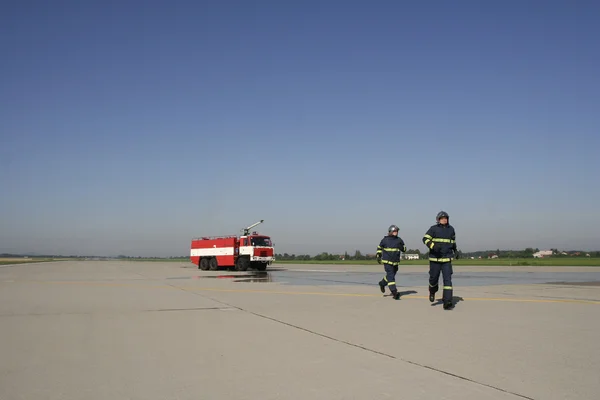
441, 215
393, 228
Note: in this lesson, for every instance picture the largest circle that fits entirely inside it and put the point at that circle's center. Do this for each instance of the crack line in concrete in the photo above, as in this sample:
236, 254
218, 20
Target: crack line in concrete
379, 353
356, 345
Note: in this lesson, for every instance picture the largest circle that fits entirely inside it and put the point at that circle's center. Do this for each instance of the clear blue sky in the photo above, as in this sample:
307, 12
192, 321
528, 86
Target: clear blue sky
130, 127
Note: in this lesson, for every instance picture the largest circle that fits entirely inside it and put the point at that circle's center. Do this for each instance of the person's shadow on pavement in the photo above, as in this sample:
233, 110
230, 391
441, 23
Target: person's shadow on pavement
455, 300
404, 293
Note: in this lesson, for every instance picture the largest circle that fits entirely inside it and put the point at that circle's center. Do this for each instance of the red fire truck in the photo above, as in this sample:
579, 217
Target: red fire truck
248, 250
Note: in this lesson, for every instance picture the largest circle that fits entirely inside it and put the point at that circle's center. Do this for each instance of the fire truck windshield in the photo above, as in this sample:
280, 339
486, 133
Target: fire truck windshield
260, 241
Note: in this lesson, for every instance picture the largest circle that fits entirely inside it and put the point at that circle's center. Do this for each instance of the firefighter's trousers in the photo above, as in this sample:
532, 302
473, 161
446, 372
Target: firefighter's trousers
390, 277
434, 276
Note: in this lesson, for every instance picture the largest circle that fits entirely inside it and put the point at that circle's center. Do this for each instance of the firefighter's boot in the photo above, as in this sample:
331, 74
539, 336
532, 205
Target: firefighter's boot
396, 295
432, 290
382, 285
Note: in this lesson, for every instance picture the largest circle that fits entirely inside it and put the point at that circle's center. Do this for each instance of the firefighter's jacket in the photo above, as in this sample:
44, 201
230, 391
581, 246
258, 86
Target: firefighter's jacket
441, 241
389, 249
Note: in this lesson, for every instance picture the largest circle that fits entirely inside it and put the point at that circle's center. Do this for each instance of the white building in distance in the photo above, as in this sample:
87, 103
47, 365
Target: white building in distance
542, 253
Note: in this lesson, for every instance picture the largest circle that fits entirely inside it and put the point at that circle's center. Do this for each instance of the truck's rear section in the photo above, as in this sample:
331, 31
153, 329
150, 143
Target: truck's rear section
211, 253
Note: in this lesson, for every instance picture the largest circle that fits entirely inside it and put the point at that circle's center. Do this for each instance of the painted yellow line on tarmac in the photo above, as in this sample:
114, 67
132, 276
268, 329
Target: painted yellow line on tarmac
277, 292
409, 297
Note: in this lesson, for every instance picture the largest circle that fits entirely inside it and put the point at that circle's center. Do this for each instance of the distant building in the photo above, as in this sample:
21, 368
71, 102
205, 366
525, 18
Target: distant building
542, 253
410, 256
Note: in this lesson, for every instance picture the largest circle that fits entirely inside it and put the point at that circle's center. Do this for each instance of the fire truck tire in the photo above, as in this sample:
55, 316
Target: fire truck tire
260, 266
203, 264
242, 264
214, 265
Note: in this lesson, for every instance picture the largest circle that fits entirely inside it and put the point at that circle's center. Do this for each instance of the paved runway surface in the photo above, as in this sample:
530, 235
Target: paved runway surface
146, 330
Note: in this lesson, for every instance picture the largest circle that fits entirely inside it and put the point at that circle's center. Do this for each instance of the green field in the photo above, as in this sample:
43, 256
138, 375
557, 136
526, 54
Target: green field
10, 261
558, 261
553, 261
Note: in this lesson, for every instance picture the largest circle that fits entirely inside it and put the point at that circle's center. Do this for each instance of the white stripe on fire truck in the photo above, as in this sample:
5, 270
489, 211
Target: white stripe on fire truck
212, 251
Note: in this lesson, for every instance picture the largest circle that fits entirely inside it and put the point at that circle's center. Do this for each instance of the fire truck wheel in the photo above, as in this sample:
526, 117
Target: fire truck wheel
213, 264
203, 264
242, 264
260, 266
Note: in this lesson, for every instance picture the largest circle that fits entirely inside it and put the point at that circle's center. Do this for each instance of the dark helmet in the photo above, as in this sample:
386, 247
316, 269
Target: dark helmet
441, 215
393, 228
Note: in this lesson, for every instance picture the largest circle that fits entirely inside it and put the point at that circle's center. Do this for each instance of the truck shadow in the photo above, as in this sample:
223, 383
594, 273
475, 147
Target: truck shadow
255, 276
252, 276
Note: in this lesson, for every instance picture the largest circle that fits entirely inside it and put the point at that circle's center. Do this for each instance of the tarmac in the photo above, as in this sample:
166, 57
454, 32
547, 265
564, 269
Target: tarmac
166, 330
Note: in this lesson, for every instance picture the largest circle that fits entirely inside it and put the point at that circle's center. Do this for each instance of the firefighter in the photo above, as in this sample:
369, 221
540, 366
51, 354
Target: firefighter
441, 241
388, 253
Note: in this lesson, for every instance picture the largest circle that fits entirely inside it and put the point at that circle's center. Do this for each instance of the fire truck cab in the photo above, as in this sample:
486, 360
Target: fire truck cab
249, 250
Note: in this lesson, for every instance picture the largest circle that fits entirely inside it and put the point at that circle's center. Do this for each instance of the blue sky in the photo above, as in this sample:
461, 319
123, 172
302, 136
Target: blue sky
131, 127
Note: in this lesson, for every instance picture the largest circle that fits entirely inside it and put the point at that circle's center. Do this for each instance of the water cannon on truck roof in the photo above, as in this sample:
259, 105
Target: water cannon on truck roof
246, 231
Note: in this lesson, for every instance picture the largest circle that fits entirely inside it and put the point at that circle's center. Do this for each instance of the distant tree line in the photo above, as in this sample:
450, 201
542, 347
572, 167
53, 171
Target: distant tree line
333, 256
152, 258
357, 255
528, 253
8, 255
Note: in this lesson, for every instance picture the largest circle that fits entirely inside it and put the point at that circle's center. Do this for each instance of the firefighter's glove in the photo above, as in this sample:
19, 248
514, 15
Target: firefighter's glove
378, 259
456, 254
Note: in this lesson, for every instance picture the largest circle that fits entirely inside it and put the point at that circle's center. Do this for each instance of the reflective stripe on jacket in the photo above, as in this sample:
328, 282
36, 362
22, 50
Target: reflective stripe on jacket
441, 241
390, 249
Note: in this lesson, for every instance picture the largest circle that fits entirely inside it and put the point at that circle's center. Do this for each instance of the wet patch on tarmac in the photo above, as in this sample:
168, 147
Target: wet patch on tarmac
249, 277
406, 279
590, 283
